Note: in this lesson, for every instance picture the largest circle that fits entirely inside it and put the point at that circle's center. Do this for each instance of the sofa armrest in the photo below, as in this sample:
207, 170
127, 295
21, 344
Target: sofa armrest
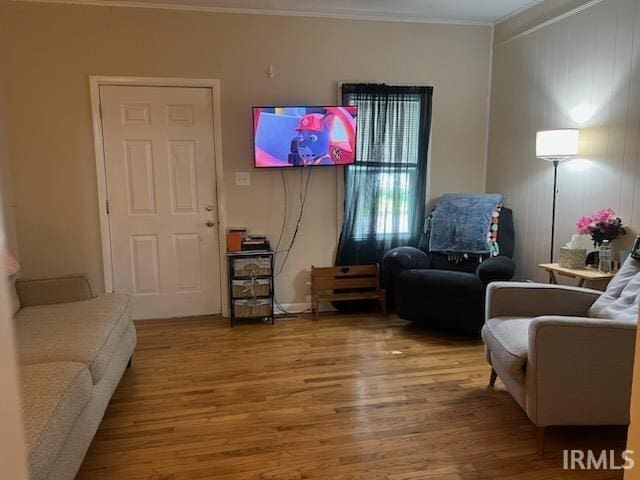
47, 291
579, 371
495, 269
405, 258
401, 258
536, 299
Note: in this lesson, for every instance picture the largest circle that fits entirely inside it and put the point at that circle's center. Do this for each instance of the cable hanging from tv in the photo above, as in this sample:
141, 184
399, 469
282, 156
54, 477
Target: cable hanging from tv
304, 189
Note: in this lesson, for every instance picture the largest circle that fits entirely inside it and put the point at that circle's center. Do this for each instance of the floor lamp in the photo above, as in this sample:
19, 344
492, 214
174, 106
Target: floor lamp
554, 146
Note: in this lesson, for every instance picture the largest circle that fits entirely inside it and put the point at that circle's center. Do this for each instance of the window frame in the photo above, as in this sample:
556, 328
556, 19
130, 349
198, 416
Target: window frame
413, 170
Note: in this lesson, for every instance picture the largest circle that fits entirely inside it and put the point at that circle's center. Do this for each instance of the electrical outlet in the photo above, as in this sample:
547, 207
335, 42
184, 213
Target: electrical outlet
243, 179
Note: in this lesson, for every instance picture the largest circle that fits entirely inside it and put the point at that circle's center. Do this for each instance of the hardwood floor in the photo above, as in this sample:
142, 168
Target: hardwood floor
345, 398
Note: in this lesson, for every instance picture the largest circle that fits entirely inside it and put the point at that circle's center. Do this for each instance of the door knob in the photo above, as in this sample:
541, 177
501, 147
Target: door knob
209, 207
210, 223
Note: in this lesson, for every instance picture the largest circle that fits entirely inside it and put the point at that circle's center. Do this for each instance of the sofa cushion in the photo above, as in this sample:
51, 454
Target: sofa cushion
47, 291
53, 397
507, 342
620, 300
87, 332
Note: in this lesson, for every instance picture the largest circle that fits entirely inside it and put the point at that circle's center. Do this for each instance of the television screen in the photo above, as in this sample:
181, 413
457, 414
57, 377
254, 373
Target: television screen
304, 136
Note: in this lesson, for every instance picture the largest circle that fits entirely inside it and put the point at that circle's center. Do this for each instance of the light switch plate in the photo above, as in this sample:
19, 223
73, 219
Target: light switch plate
243, 179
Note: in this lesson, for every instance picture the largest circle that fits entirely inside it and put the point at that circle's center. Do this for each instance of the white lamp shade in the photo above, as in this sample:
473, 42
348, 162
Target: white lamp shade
557, 144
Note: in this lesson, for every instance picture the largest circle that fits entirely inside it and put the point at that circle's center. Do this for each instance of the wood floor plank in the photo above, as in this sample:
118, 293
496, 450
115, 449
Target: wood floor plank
346, 398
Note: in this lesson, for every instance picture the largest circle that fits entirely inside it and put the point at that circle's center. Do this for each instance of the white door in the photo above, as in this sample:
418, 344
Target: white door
158, 145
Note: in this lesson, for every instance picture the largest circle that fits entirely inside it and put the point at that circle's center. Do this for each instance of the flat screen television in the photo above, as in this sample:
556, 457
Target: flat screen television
304, 136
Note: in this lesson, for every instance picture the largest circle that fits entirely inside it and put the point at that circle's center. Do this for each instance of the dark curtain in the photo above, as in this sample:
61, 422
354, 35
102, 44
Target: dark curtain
385, 190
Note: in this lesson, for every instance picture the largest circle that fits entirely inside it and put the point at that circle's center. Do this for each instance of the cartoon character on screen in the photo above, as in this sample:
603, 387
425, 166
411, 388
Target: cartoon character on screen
311, 146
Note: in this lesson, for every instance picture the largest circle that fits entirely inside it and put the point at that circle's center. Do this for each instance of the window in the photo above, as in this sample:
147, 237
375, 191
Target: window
385, 190
391, 156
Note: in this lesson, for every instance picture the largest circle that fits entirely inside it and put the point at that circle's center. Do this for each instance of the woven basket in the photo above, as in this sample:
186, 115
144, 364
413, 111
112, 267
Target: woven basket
252, 308
251, 267
250, 288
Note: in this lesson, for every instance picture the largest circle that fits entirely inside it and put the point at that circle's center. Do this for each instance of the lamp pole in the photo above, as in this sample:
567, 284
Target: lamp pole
555, 146
556, 161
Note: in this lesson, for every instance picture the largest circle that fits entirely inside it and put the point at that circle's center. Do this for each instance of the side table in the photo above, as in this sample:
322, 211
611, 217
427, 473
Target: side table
587, 277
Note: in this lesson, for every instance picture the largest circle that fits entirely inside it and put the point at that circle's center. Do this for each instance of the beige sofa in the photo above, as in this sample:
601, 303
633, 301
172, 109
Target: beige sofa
73, 348
565, 354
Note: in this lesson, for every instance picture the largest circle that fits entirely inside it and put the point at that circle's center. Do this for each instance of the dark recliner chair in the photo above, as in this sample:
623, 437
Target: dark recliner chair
445, 295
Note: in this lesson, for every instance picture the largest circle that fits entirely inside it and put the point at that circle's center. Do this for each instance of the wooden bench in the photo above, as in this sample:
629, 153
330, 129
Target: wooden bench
360, 282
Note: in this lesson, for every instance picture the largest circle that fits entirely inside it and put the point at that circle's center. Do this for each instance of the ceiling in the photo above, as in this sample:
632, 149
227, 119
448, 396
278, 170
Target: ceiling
485, 12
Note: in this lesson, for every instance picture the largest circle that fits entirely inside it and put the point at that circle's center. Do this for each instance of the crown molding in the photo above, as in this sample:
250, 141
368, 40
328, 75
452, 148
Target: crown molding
551, 21
251, 11
517, 12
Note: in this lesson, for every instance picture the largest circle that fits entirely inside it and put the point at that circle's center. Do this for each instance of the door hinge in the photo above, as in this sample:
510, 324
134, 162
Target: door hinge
107, 202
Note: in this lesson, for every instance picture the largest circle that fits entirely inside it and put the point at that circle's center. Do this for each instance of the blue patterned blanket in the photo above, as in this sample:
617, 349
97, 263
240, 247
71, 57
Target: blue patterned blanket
461, 223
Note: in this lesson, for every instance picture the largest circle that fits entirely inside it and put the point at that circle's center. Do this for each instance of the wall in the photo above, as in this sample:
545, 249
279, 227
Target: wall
582, 72
51, 49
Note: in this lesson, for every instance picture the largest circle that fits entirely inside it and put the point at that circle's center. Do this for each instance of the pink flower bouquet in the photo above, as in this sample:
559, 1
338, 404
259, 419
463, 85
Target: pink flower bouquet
603, 225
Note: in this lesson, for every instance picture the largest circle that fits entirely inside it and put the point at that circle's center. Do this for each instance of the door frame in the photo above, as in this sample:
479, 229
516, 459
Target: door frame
95, 82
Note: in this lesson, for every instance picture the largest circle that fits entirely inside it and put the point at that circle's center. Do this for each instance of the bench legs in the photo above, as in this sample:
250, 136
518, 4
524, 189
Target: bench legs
315, 310
315, 301
315, 307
